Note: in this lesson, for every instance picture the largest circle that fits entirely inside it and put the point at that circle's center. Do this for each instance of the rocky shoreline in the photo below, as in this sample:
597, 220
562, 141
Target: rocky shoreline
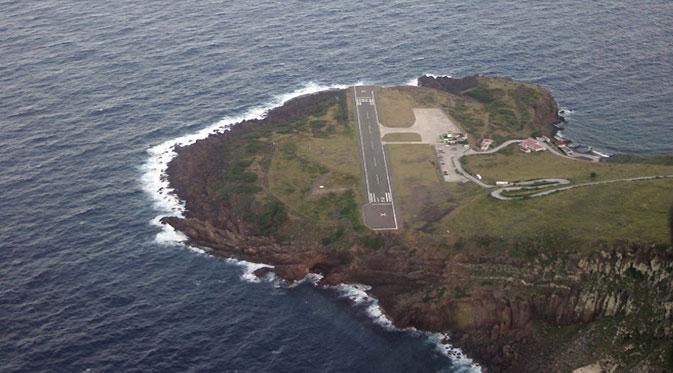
496, 323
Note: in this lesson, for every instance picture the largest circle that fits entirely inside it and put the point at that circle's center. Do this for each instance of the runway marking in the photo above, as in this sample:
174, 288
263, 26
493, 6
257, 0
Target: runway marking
385, 161
386, 199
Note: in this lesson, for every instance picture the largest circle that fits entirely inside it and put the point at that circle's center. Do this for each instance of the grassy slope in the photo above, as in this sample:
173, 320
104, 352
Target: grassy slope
511, 164
628, 211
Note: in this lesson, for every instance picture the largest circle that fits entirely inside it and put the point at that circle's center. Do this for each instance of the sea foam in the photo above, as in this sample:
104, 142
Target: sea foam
414, 82
358, 294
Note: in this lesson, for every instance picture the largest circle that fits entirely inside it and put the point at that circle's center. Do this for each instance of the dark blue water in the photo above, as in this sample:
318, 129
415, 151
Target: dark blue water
87, 87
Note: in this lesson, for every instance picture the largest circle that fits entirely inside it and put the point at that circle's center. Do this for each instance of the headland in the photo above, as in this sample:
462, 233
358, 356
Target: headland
461, 206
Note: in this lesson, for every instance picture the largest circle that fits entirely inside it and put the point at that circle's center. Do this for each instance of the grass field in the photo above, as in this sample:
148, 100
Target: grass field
510, 164
395, 105
301, 158
636, 211
396, 137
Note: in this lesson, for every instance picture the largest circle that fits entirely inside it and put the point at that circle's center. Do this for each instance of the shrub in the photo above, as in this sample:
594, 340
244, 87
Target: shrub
373, 241
271, 218
482, 94
334, 237
342, 113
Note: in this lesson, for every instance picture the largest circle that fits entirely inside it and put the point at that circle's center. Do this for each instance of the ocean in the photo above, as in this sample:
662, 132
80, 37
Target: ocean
93, 94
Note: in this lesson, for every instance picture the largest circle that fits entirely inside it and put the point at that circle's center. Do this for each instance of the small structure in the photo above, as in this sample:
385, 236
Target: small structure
453, 138
531, 145
560, 143
485, 144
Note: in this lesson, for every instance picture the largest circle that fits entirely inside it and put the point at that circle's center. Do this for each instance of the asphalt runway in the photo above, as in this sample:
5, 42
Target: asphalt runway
379, 211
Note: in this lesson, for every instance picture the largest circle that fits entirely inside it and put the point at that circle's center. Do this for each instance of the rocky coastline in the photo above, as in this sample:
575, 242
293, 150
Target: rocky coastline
497, 323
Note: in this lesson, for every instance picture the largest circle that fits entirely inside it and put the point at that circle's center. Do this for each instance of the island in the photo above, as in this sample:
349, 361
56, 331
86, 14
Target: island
462, 207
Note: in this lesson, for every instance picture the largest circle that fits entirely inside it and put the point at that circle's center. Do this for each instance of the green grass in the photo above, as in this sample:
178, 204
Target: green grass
513, 165
269, 175
301, 158
577, 218
397, 137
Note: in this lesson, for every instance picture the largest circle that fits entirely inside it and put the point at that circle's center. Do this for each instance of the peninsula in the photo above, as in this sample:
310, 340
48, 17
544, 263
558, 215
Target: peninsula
462, 207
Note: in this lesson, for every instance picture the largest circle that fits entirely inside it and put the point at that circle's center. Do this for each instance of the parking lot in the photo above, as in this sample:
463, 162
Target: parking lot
448, 156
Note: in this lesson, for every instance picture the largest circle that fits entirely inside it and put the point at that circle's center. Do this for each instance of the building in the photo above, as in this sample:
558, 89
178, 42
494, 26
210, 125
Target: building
453, 138
485, 144
531, 145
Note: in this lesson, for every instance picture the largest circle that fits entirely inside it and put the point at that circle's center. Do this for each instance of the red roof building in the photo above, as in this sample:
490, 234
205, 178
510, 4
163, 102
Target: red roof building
531, 145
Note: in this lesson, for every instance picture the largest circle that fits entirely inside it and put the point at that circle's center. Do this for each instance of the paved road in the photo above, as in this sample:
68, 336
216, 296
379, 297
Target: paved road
379, 212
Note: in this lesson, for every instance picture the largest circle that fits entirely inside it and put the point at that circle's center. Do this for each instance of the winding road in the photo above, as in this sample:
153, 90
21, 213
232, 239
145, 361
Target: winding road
563, 184
546, 183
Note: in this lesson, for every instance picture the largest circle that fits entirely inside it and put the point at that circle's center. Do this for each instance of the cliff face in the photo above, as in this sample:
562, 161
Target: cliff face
502, 310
